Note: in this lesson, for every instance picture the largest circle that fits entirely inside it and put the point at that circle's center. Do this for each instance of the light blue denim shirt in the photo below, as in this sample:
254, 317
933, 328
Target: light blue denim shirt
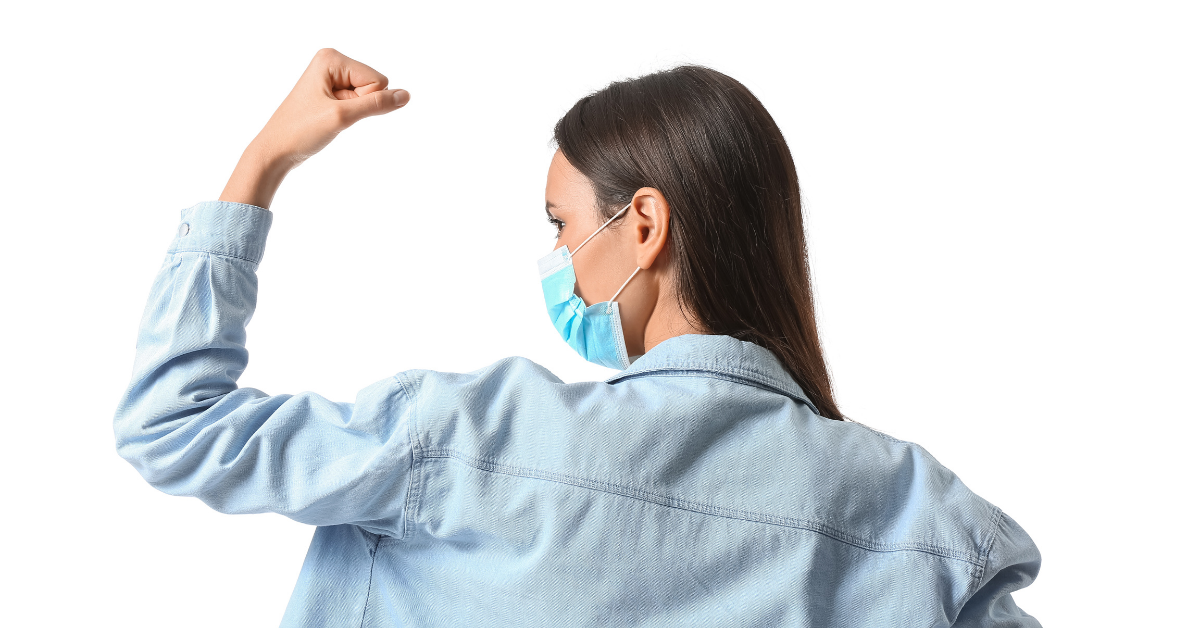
699, 487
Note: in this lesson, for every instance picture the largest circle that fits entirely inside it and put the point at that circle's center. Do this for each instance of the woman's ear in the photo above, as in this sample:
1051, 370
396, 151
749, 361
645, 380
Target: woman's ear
650, 214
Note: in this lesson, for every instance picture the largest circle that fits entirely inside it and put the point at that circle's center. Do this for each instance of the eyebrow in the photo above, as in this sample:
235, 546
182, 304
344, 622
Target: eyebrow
548, 206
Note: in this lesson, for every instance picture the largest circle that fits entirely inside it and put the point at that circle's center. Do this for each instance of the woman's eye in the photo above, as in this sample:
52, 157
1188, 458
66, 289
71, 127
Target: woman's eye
558, 226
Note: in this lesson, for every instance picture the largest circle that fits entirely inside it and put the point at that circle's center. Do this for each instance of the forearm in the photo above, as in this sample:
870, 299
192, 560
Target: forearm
191, 344
257, 176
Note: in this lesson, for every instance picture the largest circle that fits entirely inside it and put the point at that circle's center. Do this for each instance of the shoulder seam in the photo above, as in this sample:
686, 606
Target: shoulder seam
412, 498
994, 529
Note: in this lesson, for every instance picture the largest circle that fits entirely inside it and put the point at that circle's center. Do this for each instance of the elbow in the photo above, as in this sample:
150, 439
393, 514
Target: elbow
144, 434
137, 447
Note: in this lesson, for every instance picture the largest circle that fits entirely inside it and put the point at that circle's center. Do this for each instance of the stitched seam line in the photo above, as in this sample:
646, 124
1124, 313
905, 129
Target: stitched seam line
728, 513
987, 554
413, 499
370, 581
206, 251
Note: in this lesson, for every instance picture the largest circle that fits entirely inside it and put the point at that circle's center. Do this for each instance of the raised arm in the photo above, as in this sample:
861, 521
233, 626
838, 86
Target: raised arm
184, 423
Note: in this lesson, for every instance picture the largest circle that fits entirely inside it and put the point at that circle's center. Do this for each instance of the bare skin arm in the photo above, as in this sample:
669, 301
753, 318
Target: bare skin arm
334, 92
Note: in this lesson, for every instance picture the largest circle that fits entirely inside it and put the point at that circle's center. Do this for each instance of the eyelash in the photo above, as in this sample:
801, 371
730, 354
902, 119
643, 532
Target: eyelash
558, 226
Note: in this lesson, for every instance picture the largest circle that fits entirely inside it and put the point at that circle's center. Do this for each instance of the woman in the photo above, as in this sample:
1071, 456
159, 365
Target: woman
712, 481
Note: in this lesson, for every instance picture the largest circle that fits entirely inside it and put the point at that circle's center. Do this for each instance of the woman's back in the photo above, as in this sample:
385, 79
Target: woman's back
696, 488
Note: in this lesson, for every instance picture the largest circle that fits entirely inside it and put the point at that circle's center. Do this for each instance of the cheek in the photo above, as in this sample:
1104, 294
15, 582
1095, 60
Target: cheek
594, 277
593, 264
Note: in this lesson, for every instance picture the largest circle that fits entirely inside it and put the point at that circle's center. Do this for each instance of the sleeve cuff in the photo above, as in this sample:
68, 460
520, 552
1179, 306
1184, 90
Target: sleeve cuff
223, 228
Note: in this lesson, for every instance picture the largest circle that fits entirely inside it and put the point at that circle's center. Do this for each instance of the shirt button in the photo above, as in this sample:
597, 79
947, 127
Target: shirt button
184, 229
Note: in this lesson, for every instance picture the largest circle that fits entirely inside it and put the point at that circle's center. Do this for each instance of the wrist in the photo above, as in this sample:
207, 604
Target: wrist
257, 176
263, 155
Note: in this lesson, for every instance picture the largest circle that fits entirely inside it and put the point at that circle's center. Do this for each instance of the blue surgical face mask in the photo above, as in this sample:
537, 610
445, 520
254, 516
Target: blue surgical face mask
594, 331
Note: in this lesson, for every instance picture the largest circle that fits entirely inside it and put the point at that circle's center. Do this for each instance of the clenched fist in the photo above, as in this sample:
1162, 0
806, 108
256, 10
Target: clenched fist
334, 92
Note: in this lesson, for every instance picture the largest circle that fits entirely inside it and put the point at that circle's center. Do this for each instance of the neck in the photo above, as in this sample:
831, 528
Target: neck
667, 320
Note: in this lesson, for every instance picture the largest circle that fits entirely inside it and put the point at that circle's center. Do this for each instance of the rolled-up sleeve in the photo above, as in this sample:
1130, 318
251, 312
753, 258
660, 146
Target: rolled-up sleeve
188, 428
1013, 561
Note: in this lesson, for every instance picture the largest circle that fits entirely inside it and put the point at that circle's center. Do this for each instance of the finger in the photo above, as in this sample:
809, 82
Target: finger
373, 104
346, 74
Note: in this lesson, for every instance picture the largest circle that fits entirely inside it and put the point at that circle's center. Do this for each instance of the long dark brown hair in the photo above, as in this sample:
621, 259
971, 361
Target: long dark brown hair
736, 228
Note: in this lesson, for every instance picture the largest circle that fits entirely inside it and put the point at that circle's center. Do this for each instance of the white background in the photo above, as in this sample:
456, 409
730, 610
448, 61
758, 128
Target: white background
1002, 211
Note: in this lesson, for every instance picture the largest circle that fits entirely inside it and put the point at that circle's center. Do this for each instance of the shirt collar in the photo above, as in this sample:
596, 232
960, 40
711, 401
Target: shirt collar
723, 356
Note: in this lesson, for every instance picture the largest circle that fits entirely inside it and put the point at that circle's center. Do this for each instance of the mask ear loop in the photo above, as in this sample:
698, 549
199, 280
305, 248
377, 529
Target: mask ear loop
614, 297
589, 238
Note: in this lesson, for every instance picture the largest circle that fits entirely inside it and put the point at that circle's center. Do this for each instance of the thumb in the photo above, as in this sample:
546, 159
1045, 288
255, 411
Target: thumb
373, 104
